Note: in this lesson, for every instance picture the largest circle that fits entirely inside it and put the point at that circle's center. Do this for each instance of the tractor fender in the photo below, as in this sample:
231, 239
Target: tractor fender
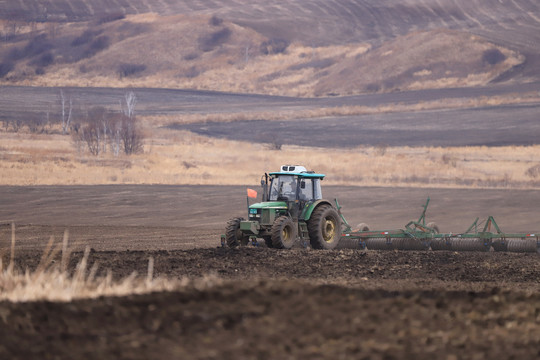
310, 206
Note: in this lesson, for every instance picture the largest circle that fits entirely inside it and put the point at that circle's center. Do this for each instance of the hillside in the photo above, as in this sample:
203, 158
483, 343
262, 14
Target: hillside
297, 48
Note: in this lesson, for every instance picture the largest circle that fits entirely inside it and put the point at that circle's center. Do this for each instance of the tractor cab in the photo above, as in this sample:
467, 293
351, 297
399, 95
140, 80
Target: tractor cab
294, 183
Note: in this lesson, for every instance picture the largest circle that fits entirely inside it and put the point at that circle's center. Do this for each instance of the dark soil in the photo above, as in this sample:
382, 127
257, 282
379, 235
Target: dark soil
271, 304
296, 304
490, 126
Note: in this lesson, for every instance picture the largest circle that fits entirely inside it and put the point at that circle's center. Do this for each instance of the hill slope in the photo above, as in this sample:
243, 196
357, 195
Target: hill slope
304, 48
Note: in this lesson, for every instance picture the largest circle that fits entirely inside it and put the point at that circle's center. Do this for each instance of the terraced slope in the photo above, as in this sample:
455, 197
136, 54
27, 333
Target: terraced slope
319, 21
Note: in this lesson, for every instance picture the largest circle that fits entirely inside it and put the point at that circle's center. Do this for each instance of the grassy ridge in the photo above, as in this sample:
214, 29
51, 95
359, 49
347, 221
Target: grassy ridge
207, 52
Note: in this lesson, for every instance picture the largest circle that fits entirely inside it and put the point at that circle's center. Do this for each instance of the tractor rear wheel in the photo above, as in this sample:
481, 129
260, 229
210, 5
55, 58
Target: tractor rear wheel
283, 233
362, 227
324, 228
233, 235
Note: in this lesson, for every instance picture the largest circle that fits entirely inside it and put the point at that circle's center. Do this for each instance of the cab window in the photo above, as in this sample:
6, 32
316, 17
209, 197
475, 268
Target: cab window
283, 188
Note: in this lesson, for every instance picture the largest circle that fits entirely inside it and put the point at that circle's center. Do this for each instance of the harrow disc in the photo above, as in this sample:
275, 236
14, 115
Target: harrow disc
522, 245
409, 244
350, 243
379, 244
472, 244
441, 244
500, 245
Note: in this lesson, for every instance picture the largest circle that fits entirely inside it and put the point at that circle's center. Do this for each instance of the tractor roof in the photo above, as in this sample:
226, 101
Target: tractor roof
299, 174
296, 170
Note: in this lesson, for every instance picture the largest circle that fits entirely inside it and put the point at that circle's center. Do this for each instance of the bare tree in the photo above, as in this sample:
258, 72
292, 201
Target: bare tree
103, 128
11, 28
246, 55
130, 135
93, 133
66, 119
115, 129
91, 136
131, 101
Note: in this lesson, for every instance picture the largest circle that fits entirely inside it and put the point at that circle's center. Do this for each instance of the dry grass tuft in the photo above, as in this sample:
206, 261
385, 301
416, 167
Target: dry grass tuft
53, 282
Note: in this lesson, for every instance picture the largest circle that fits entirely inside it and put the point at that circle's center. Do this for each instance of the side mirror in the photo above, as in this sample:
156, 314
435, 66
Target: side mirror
302, 184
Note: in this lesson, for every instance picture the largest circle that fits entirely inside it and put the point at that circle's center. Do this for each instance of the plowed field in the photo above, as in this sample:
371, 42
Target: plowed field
266, 303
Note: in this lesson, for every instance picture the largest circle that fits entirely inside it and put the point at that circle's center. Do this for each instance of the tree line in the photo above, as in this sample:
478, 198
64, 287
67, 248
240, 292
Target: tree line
95, 129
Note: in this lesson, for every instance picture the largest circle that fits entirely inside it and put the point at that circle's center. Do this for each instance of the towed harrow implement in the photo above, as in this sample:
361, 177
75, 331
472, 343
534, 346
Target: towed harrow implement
417, 235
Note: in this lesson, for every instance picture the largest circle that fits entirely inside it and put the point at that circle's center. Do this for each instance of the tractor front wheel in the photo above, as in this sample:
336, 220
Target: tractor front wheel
324, 228
233, 235
283, 233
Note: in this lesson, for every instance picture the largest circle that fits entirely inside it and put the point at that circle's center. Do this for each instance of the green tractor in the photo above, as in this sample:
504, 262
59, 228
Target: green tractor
292, 209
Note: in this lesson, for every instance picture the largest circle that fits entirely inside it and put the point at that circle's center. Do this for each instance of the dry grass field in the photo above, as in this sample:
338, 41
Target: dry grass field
180, 157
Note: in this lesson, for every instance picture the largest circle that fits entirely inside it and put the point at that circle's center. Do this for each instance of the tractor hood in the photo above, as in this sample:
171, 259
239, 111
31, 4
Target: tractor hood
269, 205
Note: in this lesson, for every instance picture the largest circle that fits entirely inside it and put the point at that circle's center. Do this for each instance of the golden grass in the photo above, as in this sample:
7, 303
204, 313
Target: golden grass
180, 157
52, 280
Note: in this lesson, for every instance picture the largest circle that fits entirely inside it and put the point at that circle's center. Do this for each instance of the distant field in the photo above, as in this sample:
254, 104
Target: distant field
486, 126
389, 144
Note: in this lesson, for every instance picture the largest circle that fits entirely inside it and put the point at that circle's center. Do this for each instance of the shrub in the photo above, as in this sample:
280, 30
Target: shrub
493, 56
191, 56
36, 123
36, 46
533, 171
209, 42
373, 87
5, 68
125, 70
84, 38
103, 129
274, 46
215, 21
275, 145
192, 72
44, 60
99, 44
130, 135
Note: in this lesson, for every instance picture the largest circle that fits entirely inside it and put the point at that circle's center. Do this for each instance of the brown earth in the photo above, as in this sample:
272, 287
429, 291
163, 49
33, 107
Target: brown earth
272, 304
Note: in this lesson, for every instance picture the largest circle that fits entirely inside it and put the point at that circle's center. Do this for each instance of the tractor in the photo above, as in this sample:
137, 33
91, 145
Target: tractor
292, 209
